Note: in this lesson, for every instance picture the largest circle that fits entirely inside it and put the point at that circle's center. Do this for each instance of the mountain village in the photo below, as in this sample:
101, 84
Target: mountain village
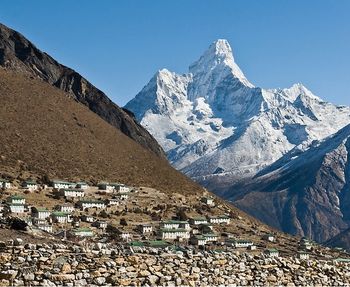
113, 212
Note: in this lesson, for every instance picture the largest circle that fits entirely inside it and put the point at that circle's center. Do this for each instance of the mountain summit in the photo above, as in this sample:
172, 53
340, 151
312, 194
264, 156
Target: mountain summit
216, 127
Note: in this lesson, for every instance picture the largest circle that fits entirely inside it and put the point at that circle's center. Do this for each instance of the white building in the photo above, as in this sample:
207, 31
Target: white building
272, 252
5, 183
269, 237
198, 220
58, 184
208, 201
121, 188
16, 208
113, 201
239, 243
219, 219
82, 185
39, 221
105, 186
123, 195
61, 217
175, 224
145, 228
303, 255
41, 213
30, 185
45, 227
72, 192
88, 218
16, 199
91, 203
198, 240
124, 235
172, 234
211, 237
68, 208
101, 224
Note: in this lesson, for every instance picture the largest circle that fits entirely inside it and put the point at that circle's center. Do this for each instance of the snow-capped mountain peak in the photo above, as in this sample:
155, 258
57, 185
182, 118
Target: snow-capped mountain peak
214, 122
218, 59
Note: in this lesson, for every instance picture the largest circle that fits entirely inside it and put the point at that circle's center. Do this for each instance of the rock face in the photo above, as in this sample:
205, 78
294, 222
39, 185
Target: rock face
305, 192
20, 55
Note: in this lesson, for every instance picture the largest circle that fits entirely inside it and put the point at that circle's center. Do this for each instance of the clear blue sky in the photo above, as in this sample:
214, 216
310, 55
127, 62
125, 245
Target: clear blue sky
118, 45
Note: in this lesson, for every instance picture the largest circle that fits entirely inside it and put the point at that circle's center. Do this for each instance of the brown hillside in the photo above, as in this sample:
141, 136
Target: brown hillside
18, 54
45, 132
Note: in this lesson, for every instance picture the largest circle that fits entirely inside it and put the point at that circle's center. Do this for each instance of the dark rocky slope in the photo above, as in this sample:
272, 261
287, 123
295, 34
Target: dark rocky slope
19, 54
306, 194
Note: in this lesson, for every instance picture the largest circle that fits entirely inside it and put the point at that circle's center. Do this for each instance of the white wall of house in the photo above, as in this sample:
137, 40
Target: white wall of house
17, 208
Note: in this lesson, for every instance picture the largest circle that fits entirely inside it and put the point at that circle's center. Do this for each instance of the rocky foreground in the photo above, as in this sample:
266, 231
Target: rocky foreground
99, 265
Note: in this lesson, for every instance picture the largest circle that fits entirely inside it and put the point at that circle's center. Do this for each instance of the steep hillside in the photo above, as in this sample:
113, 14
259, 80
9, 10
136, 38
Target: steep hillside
19, 54
43, 132
341, 240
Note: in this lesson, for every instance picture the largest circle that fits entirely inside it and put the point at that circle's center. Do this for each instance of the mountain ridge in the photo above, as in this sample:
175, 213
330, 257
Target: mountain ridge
19, 54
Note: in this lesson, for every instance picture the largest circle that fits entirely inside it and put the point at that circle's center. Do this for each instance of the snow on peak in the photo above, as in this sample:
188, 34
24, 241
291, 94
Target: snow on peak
213, 118
218, 58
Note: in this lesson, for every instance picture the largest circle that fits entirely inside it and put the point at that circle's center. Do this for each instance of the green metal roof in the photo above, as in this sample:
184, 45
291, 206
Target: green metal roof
157, 243
173, 230
42, 209
60, 213
174, 222
136, 243
17, 197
